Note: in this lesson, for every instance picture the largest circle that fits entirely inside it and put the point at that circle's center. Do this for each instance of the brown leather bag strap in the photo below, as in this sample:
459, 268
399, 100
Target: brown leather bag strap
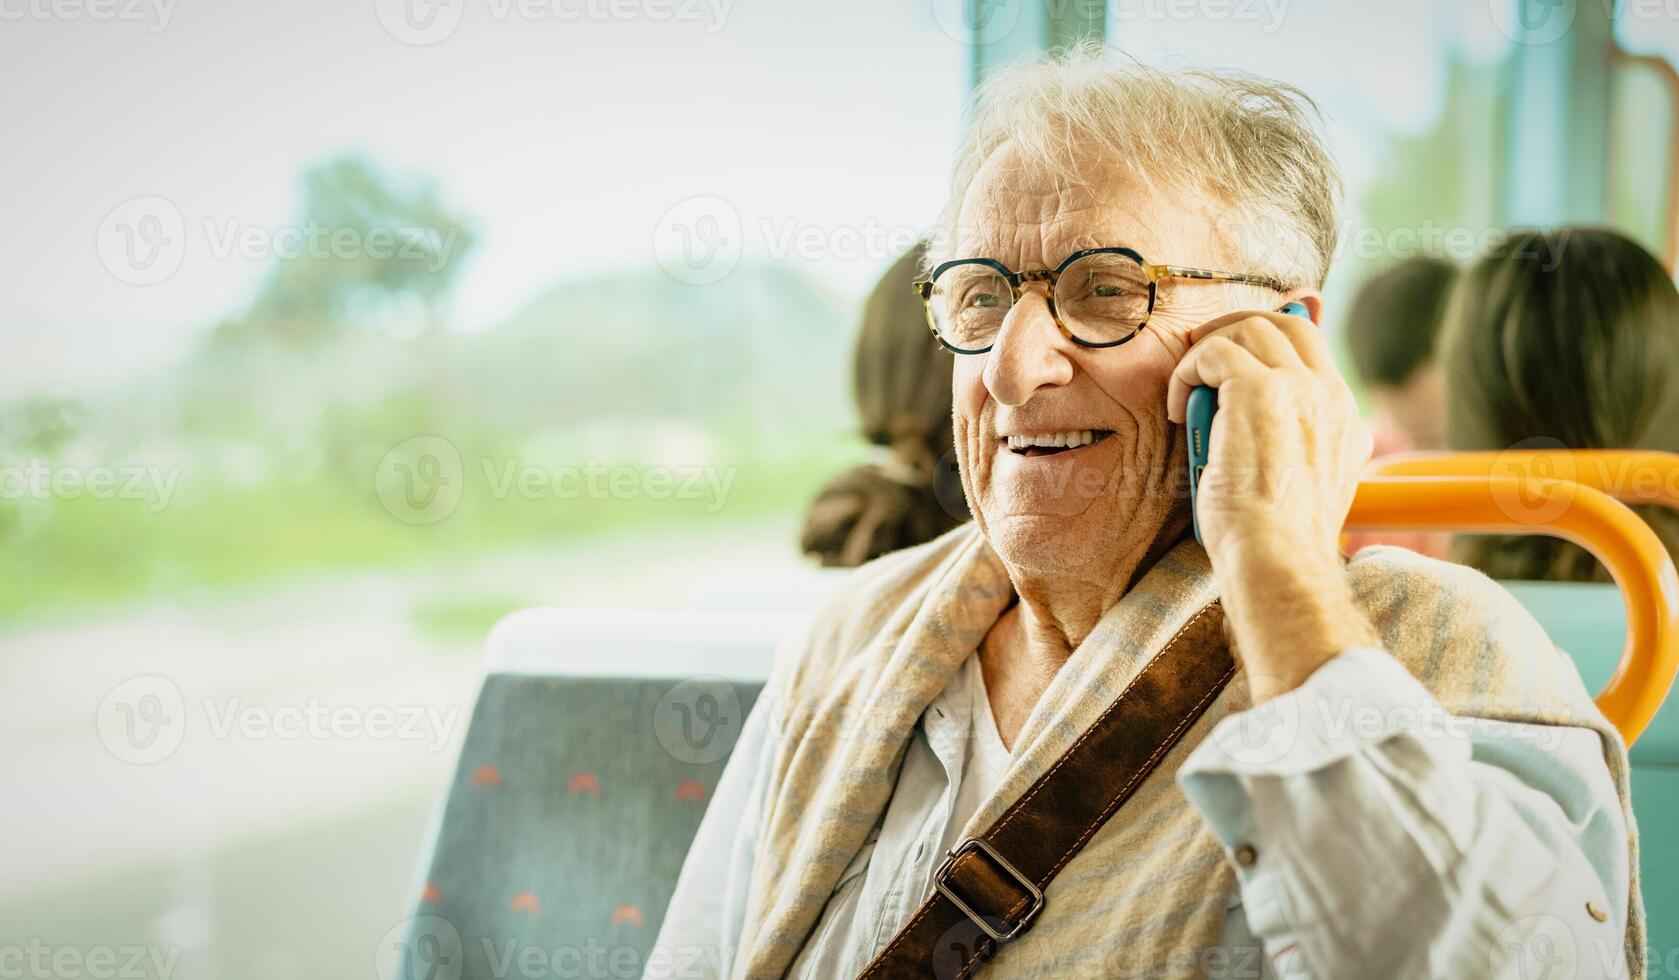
990, 888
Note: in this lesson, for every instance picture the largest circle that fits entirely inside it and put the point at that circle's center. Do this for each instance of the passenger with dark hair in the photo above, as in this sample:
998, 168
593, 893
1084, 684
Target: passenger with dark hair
901, 382
1391, 331
1574, 346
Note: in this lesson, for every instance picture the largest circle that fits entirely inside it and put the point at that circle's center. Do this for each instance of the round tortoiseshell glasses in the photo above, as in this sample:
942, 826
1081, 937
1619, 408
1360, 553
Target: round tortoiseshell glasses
1099, 297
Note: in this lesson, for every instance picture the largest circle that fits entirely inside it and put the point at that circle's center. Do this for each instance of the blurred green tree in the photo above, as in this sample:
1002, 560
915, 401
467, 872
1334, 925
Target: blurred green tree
366, 249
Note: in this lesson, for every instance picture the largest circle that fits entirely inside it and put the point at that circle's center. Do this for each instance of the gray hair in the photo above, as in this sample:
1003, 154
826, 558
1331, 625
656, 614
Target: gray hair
1251, 144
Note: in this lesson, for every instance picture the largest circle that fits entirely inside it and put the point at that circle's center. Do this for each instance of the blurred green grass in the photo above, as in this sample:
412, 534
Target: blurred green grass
63, 556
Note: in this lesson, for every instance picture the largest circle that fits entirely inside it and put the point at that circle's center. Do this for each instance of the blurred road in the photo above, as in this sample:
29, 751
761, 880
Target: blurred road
242, 789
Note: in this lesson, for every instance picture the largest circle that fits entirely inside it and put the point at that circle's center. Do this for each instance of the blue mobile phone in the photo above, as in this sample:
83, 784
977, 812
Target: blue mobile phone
1198, 428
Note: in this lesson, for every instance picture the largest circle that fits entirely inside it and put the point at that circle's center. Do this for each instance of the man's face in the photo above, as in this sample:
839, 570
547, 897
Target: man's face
1073, 508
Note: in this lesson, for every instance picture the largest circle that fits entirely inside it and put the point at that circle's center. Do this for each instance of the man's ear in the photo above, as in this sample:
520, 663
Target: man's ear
1312, 300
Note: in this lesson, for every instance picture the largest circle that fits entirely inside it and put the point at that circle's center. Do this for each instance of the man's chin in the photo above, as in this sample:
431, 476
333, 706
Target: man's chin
1039, 540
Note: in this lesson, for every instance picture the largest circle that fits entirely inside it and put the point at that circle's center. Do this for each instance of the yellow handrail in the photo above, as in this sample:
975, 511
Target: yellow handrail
1633, 476
1635, 557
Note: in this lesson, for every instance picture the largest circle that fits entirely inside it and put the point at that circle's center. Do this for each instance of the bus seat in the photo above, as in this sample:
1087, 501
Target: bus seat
1655, 805
596, 741
1589, 621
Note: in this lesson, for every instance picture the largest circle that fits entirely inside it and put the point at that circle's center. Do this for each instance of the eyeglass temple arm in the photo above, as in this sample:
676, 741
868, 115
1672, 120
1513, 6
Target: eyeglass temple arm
1156, 272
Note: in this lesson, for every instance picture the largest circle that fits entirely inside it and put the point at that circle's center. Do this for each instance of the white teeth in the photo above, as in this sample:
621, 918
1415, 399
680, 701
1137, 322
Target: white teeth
1057, 440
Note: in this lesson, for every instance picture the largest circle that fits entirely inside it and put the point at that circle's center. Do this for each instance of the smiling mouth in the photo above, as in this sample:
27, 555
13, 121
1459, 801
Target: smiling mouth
1055, 443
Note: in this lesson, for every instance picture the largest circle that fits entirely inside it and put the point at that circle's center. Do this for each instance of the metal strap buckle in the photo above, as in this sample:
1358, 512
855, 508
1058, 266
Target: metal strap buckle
974, 843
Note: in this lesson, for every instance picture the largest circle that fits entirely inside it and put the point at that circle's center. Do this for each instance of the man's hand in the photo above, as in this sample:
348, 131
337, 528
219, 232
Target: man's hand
1287, 448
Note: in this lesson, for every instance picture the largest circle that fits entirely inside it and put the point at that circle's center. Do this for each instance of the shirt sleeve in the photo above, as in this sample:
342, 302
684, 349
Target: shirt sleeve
1375, 834
702, 925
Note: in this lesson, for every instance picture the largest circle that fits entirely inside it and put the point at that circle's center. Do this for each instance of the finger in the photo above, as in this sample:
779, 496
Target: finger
1219, 322
1212, 364
1308, 341
1262, 338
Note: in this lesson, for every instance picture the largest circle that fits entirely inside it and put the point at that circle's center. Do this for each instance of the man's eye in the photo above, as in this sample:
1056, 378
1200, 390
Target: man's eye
1114, 289
986, 300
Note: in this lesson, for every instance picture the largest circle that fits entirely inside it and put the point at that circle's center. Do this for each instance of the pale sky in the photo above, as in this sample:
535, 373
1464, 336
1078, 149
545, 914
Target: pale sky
565, 130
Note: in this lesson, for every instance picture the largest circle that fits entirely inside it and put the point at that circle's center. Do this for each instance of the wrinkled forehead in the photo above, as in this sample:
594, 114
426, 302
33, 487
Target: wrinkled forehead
1031, 214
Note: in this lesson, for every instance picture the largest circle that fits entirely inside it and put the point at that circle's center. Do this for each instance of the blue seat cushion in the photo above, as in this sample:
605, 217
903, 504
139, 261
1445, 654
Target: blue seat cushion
1589, 621
567, 823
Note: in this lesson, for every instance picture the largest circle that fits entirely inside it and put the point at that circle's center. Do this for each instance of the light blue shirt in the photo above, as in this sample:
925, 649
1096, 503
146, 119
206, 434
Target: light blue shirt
1373, 834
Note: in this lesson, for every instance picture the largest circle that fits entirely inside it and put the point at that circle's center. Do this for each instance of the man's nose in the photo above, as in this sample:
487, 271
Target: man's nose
1030, 352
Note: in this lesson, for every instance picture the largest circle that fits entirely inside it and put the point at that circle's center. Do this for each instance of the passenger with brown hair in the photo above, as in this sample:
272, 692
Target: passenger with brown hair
901, 382
1562, 339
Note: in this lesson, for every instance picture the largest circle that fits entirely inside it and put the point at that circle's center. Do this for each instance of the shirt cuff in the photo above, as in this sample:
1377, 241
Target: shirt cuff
1358, 699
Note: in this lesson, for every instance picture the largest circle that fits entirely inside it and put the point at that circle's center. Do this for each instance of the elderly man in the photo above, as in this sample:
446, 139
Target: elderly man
1065, 739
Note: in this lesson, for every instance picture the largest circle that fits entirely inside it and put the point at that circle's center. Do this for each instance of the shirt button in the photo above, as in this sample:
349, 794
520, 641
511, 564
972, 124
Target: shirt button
1596, 911
1246, 855
920, 849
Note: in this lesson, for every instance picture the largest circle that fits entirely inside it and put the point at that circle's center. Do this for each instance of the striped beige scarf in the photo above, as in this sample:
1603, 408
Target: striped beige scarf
1149, 892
